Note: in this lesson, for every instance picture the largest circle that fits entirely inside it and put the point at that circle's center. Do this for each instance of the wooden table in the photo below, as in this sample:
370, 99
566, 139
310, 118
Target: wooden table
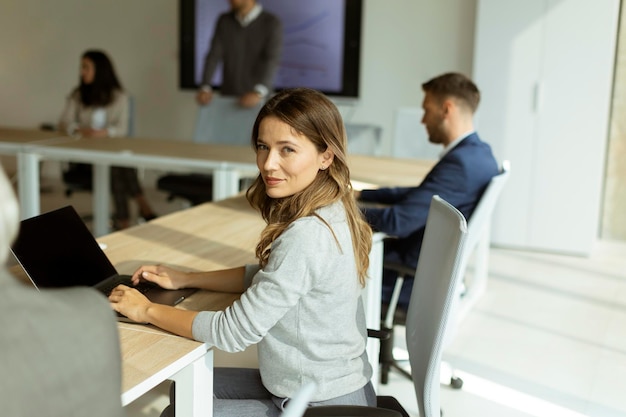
377, 171
11, 139
226, 162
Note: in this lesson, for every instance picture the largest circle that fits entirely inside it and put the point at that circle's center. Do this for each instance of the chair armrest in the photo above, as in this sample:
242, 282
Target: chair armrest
383, 334
401, 269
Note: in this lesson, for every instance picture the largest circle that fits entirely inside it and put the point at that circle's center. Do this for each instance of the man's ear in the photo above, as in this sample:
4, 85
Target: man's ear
448, 106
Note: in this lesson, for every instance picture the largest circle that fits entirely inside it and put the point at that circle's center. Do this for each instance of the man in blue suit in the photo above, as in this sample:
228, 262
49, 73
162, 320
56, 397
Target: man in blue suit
465, 167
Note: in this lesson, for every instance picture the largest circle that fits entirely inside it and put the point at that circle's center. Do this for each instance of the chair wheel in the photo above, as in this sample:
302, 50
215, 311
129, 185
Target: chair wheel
456, 382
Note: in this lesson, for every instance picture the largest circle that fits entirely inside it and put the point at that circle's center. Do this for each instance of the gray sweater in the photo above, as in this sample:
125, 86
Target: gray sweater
303, 309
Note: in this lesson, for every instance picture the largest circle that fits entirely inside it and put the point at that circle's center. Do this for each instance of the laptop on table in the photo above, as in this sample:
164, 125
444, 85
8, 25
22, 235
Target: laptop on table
56, 249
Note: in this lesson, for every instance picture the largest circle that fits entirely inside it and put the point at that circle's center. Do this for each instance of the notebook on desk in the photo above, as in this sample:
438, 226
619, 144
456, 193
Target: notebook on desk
56, 249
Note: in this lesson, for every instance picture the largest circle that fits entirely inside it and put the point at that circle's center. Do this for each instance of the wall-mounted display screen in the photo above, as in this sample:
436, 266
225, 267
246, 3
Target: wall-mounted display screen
321, 43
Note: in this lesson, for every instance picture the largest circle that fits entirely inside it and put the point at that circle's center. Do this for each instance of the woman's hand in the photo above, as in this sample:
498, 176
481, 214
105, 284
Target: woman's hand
163, 276
130, 302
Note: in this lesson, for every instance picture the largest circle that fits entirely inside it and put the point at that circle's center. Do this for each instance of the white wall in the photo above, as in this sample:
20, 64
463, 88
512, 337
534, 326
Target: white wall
405, 42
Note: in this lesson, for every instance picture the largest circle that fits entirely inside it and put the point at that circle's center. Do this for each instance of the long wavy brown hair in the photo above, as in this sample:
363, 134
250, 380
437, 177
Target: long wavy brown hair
311, 114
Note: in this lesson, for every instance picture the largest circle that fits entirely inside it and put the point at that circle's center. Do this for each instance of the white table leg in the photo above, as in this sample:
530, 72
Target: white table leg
194, 388
225, 183
28, 184
101, 204
372, 302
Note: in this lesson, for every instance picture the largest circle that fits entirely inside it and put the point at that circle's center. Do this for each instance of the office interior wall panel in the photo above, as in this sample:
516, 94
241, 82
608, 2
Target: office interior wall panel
506, 50
614, 202
572, 124
545, 67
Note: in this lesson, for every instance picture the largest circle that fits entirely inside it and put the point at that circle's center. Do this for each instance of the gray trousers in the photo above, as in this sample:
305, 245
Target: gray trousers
240, 392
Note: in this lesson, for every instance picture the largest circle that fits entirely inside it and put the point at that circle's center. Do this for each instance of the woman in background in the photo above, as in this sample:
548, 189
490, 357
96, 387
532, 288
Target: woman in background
98, 108
301, 303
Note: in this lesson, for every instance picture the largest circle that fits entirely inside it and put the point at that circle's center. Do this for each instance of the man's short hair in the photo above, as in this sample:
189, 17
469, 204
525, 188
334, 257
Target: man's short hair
455, 85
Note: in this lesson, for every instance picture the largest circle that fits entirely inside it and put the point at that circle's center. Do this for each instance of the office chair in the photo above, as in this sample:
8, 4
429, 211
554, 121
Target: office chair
223, 121
298, 403
433, 299
470, 290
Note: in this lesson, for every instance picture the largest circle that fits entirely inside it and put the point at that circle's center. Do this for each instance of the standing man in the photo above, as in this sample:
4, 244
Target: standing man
465, 167
248, 42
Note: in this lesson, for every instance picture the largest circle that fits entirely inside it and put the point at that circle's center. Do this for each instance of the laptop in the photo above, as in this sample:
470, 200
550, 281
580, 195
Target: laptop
56, 249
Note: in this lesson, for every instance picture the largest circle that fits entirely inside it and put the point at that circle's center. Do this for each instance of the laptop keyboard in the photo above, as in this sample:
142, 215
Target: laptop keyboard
143, 287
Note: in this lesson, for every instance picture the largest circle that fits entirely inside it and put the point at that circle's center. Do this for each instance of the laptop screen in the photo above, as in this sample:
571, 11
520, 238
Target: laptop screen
56, 249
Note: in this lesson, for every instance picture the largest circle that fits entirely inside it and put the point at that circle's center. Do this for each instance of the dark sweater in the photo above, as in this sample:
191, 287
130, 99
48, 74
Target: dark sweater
250, 54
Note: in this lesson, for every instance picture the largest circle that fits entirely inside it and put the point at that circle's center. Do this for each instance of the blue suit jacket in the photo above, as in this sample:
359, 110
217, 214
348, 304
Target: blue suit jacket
460, 178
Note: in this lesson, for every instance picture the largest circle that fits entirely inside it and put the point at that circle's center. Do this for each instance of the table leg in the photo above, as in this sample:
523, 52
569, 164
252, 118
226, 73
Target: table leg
225, 183
101, 204
194, 388
28, 184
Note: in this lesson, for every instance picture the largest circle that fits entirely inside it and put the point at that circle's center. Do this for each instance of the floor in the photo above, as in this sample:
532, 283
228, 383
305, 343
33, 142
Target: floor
548, 338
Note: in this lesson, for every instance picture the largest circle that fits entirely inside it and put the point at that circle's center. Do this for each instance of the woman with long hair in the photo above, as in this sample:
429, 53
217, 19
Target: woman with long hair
301, 303
98, 108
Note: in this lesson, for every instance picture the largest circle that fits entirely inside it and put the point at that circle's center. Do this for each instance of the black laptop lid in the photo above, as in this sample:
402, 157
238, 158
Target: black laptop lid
56, 249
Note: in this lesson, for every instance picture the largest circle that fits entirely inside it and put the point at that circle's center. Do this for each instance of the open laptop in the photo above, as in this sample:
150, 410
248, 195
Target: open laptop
56, 249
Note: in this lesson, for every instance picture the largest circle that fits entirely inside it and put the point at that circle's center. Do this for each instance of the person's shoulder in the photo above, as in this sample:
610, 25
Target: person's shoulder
67, 306
471, 153
269, 17
471, 143
319, 221
333, 211
74, 94
83, 301
120, 95
228, 15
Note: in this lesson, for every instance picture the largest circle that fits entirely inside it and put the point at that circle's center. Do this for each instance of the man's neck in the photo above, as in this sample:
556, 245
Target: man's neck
241, 13
458, 130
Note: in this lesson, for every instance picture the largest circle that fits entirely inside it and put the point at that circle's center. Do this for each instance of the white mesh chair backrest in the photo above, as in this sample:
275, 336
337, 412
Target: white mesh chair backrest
481, 215
432, 299
224, 121
298, 404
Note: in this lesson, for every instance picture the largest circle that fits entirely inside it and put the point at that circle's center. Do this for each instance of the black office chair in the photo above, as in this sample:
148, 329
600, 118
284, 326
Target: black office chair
222, 122
77, 177
195, 188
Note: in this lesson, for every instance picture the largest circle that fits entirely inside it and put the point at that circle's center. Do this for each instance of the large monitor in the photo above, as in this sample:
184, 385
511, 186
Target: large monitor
321, 43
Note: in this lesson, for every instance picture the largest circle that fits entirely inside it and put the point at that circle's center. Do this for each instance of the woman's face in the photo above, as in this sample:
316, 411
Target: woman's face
287, 161
87, 70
